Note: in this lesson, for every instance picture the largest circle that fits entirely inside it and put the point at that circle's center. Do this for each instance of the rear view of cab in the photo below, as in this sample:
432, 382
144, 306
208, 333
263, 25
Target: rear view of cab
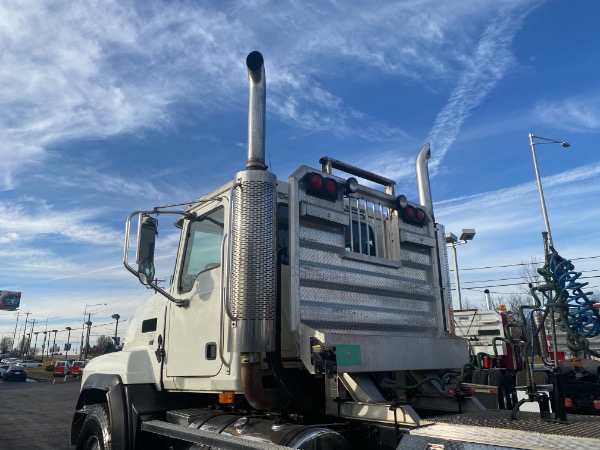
76, 369
61, 368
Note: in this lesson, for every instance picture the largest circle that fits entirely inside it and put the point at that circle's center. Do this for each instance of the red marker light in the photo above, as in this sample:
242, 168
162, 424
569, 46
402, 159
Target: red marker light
316, 181
596, 404
568, 402
420, 215
330, 186
410, 212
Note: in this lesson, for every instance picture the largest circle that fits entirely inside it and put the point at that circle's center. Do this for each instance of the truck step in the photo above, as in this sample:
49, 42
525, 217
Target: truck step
213, 440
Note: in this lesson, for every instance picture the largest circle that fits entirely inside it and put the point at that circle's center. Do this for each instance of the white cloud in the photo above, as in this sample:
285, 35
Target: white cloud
572, 114
39, 222
509, 223
94, 70
490, 61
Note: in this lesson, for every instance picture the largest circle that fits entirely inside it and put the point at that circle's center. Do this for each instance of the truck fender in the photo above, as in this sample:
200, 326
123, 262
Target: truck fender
104, 388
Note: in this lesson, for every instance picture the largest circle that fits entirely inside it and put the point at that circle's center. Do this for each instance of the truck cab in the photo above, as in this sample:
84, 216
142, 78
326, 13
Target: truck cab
316, 299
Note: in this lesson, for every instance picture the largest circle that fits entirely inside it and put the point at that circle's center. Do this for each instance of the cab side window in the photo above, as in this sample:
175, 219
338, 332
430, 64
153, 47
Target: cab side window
202, 248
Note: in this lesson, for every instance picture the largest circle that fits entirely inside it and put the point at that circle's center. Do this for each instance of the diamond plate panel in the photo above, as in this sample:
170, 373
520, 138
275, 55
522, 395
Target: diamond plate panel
338, 294
354, 297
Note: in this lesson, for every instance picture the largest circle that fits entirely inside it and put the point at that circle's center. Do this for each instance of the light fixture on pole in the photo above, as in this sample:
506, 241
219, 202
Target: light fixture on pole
68, 344
116, 317
467, 234
533, 143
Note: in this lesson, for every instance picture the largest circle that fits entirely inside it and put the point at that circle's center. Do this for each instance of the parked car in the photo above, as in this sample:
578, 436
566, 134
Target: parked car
61, 368
11, 360
76, 368
15, 372
30, 363
3, 368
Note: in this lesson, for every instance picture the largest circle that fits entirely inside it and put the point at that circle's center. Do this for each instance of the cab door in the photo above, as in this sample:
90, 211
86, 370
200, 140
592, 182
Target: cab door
193, 334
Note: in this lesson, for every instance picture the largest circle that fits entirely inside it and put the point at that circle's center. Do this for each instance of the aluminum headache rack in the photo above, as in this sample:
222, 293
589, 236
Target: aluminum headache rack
494, 430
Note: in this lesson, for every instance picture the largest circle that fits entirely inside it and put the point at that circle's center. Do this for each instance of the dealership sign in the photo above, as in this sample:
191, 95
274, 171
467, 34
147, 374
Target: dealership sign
10, 300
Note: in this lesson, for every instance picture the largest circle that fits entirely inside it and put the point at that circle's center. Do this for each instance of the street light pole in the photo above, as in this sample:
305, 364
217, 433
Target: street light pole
116, 317
452, 241
44, 345
532, 143
15, 333
53, 346
456, 278
35, 345
68, 343
83, 324
87, 339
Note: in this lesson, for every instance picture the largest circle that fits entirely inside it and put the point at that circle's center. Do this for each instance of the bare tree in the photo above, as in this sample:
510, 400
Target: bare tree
467, 303
103, 343
528, 272
5, 344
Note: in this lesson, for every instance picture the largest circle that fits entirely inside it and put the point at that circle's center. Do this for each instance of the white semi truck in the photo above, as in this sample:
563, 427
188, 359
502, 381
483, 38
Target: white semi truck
308, 313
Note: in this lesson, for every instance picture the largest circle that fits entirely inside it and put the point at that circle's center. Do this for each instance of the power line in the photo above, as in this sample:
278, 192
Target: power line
520, 264
519, 278
522, 283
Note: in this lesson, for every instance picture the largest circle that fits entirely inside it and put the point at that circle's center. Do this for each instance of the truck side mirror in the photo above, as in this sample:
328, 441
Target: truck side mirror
146, 271
146, 241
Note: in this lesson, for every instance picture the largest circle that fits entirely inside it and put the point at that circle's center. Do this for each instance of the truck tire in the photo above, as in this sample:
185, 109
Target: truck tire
95, 432
480, 377
493, 378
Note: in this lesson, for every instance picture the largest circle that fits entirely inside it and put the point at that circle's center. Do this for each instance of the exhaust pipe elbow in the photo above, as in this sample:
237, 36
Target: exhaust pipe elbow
252, 385
256, 112
423, 178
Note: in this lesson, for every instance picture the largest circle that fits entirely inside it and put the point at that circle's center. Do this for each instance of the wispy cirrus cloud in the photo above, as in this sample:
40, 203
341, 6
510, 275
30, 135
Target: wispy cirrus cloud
489, 63
21, 223
96, 70
578, 114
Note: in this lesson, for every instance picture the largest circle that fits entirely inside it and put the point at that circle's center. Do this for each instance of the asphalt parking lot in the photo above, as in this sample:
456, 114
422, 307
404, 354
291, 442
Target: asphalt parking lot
37, 415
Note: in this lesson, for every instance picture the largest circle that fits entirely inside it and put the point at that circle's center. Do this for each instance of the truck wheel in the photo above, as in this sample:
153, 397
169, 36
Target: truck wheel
493, 378
95, 432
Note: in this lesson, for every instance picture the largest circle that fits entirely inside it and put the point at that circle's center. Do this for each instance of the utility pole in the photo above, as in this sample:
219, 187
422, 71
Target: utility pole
24, 331
12, 345
30, 334
44, 345
83, 325
35, 345
87, 339
53, 345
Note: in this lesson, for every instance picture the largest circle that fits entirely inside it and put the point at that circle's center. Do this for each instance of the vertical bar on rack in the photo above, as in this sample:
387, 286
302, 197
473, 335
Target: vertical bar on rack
384, 240
351, 225
374, 230
359, 227
367, 234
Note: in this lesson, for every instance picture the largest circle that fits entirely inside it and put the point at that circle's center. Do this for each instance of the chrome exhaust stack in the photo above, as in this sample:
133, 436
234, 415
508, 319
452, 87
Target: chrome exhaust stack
252, 283
252, 299
423, 178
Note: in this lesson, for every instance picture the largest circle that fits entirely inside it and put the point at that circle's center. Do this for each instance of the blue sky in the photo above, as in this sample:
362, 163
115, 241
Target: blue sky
110, 107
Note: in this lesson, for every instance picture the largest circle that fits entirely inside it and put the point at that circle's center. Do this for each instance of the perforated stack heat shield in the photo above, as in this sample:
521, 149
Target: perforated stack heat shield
252, 293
